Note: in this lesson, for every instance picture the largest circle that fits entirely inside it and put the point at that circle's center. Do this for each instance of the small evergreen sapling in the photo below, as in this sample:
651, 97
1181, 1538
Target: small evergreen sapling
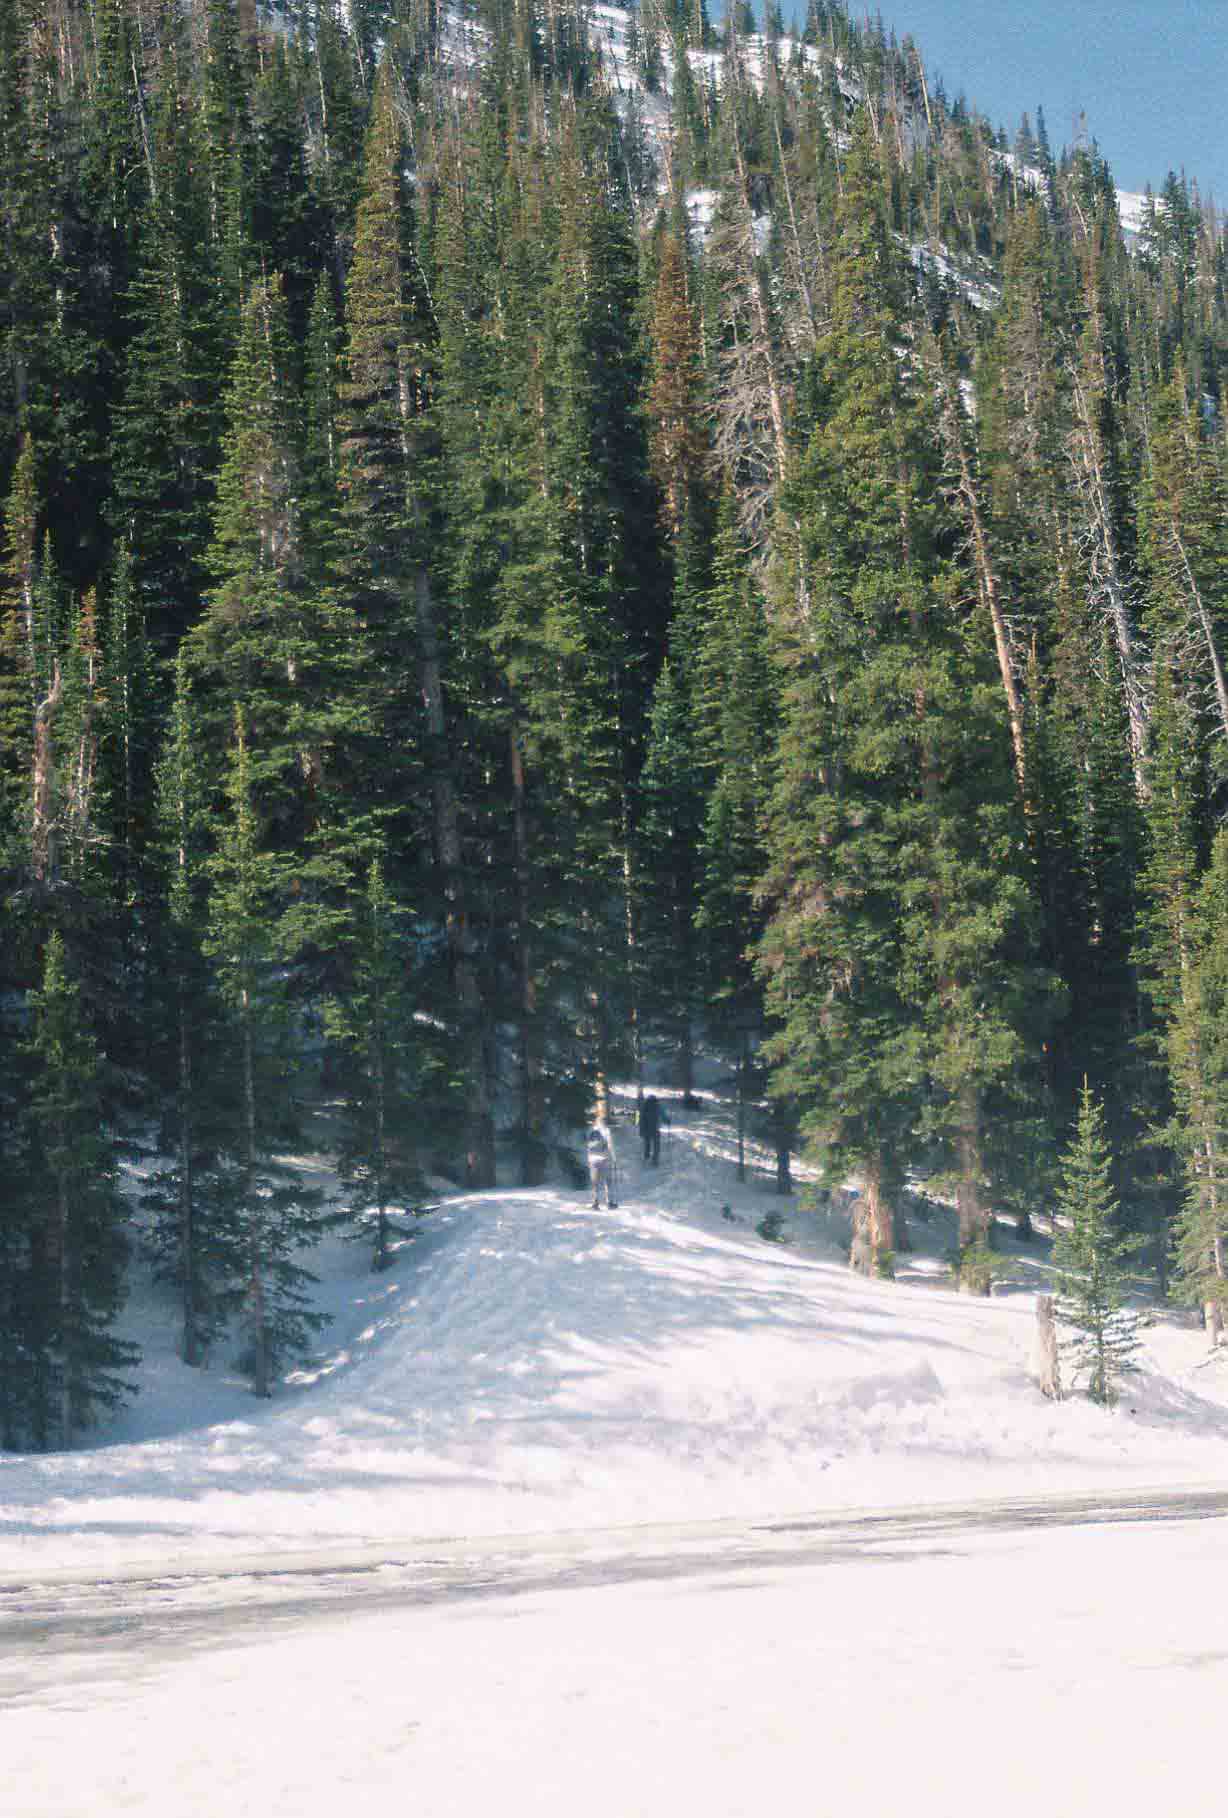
1092, 1256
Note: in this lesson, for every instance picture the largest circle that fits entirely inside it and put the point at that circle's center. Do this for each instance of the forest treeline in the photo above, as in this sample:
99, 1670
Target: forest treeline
508, 571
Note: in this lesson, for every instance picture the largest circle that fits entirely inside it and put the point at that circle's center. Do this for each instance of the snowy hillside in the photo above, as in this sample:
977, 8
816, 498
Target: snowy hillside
532, 1364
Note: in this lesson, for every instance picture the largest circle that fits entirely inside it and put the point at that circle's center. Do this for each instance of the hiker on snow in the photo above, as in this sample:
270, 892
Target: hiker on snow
599, 1146
651, 1118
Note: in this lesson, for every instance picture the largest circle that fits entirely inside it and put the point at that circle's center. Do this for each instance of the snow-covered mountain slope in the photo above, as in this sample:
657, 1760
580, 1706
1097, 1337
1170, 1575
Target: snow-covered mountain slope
531, 1364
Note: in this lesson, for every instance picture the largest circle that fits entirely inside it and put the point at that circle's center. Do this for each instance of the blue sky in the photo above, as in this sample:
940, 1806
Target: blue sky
1151, 75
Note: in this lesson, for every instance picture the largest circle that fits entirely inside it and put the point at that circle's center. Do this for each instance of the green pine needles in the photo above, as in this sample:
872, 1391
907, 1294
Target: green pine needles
1091, 1256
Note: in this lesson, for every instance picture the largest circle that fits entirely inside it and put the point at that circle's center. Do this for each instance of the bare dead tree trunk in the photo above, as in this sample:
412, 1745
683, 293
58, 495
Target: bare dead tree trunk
751, 445
1205, 625
1108, 580
44, 840
803, 282
1047, 1362
80, 802
986, 575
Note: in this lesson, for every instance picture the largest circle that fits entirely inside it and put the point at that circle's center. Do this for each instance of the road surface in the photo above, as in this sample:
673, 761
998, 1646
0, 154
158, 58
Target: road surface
71, 1627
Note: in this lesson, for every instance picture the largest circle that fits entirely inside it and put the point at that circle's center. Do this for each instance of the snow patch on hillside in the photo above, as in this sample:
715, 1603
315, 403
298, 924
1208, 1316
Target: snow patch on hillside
1132, 209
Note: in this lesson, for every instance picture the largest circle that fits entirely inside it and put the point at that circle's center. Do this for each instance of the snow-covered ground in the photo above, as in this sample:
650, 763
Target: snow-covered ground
531, 1364
1069, 1674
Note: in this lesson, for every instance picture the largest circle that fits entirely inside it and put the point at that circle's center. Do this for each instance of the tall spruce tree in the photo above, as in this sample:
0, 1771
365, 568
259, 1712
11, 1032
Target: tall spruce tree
1198, 1048
269, 1216
388, 467
1091, 1256
73, 1366
389, 1074
900, 956
165, 443
193, 1225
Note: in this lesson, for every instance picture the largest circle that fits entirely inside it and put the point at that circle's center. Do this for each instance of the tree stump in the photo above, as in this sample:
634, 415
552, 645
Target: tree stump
1048, 1369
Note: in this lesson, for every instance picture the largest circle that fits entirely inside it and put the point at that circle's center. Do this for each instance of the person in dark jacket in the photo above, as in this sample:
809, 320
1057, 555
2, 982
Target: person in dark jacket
650, 1129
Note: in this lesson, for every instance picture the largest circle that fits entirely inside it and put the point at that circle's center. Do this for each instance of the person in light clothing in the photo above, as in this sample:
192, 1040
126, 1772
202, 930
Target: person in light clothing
599, 1147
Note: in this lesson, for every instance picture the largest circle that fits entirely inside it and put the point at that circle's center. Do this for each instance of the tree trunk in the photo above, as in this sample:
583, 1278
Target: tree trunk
987, 579
684, 1056
1107, 577
633, 990
383, 1255
68, 1360
1048, 1366
973, 1213
44, 840
873, 1223
532, 1145
258, 1312
1205, 625
972, 1210
187, 1211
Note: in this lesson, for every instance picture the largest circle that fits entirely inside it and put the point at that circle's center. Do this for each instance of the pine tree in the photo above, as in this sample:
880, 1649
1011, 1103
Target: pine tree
26, 643
1185, 548
287, 221
388, 1090
901, 953
678, 445
1198, 1051
832, 958
388, 470
269, 1215
24, 1361
668, 870
76, 1367
733, 710
272, 637
193, 1228
27, 180
167, 420
1091, 1257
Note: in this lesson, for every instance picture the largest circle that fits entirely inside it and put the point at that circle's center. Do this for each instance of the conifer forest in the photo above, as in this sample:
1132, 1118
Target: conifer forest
537, 536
